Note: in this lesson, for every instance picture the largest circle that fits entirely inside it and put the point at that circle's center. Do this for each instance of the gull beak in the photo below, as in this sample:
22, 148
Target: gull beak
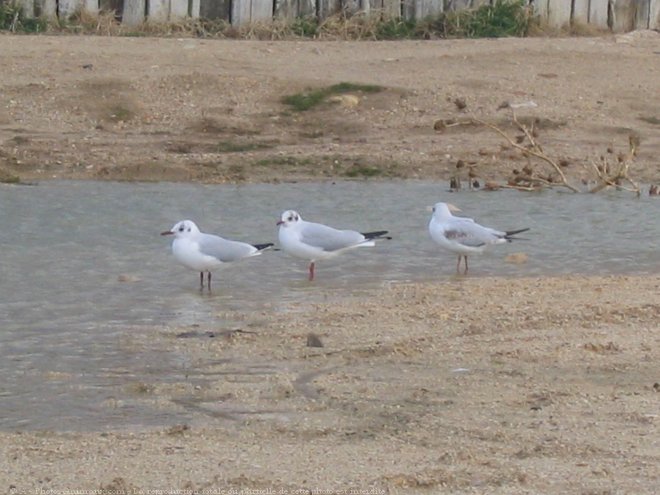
429, 208
453, 208
167, 232
281, 222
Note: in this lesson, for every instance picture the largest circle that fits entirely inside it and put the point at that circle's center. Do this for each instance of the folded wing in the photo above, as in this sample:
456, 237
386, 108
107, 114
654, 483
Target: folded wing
329, 239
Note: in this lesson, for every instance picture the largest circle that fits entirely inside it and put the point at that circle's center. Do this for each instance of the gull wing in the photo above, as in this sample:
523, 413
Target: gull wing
223, 249
468, 233
329, 239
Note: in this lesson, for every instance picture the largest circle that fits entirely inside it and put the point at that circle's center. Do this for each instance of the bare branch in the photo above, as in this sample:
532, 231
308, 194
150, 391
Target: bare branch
535, 150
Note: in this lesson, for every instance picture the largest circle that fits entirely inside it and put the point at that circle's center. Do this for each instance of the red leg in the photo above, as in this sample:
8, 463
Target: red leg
311, 271
466, 266
458, 265
209, 282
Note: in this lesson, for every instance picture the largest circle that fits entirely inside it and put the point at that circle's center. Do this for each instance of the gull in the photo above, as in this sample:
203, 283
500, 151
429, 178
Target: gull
463, 235
204, 252
315, 241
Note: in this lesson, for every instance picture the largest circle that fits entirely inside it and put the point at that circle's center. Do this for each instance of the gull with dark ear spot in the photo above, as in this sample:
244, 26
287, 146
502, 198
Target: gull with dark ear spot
314, 241
204, 252
464, 236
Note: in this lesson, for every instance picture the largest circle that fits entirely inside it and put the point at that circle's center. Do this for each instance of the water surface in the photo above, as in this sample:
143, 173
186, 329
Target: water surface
65, 316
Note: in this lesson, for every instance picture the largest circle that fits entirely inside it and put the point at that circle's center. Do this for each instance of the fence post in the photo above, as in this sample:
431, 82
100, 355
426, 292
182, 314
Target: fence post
27, 7
642, 16
159, 11
624, 15
598, 13
48, 8
559, 13
178, 9
91, 6
133, 14
580, 11
654, 17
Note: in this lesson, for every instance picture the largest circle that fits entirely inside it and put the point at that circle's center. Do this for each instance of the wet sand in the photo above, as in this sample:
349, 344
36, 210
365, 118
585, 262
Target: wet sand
476, 385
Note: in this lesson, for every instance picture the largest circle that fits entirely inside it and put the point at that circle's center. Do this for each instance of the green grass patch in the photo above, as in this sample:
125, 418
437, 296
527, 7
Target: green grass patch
365, 171
503, 18
306, 100
12, 19
396, 29
120, 113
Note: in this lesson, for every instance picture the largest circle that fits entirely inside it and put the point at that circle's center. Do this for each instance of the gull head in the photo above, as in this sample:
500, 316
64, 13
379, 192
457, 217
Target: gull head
289, 217
184, 228
444, 209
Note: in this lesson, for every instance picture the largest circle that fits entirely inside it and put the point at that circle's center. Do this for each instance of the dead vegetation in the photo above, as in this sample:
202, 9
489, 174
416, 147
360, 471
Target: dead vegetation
542, 169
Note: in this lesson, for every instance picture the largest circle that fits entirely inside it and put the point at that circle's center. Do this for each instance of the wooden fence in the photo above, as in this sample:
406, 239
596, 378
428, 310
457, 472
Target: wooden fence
617, 15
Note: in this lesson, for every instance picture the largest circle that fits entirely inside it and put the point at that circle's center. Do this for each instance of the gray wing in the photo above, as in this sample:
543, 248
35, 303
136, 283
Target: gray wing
224, 249
327, 238
471, 234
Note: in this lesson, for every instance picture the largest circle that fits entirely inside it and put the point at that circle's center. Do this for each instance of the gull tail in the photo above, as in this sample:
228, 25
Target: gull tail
261, 247
379, 234
510, 233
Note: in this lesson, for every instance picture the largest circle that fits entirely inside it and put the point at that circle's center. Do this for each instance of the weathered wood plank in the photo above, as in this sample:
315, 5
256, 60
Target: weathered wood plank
457, 4
624, 16
540, 8
262, 10
598, 13
328, 8
133, 14
66, 8
426, 8
195, 7
559, 13
386, 9
215, 9
159, 10
27, 7
642, 19
419, 9
290, 9
580, 11
654, 17
240, 12
48, 8
178, 9
91, 6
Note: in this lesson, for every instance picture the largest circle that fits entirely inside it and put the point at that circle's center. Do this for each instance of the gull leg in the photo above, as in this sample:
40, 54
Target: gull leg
209, 281
458, 265
311, 271
201, 280
466, 265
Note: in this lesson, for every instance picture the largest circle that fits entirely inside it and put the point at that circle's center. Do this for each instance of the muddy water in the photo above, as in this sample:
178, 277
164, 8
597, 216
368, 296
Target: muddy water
84, 269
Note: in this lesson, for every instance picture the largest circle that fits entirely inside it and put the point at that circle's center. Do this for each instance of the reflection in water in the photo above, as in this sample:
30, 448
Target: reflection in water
66, 246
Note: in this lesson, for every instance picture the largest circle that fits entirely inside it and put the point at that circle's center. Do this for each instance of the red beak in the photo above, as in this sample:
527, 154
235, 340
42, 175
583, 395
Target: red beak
281, 222
167, 232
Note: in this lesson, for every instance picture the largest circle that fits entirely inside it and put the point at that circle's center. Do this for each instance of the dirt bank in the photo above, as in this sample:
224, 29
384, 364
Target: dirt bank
211, 110
472, 386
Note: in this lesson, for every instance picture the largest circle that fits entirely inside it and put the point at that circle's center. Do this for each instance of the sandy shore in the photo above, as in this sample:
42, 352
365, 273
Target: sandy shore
478, 385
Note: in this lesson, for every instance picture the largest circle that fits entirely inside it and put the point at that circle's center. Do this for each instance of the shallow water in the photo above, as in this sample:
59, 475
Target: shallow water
65, 316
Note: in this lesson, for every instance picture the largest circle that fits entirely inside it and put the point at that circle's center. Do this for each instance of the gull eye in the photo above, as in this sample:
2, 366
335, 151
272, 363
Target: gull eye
434, 209
181, 229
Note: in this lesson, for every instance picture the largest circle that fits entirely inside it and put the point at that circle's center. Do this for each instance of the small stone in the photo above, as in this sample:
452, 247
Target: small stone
314, 340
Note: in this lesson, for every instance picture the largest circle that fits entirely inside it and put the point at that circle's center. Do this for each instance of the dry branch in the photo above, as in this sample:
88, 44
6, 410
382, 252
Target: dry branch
533, 149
